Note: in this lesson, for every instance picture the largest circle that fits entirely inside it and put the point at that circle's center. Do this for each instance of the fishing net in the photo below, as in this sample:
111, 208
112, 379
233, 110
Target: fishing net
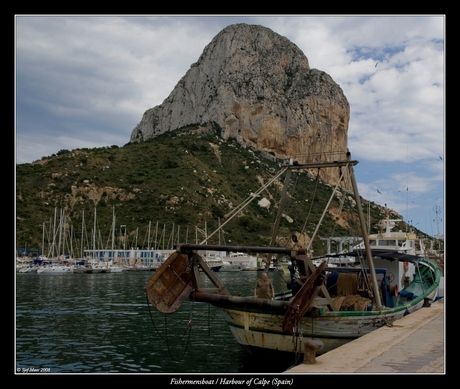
347, 298
352, 303
347, 284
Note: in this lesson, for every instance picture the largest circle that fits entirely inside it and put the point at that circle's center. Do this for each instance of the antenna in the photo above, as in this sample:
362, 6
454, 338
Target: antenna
437, 220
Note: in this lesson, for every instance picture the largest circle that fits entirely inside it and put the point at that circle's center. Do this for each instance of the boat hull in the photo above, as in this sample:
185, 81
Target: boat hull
286, 324
263, 331
90, 270
259, 328
231, 268
28, 269
55, 269
257, 331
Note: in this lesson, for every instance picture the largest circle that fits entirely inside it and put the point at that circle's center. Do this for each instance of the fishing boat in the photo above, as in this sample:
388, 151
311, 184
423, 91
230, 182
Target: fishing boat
389, 240
213, 261
241, 259
322, 307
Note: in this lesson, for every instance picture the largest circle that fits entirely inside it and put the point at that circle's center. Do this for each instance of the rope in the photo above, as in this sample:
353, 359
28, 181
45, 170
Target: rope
165, 338
297, 337
304, 228
345, 179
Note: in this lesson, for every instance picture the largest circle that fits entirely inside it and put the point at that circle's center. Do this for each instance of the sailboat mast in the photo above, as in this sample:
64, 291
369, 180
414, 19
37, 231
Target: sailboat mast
148, 237
94, 234
43, 240
59, 232
82, 233
156, 236
52, 234
113, 229
71, 241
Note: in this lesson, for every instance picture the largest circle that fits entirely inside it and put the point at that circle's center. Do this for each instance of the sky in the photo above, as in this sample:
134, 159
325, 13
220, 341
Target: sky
84, 81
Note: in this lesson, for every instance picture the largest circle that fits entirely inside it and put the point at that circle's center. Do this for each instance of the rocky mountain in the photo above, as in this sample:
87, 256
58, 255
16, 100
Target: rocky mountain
258, 87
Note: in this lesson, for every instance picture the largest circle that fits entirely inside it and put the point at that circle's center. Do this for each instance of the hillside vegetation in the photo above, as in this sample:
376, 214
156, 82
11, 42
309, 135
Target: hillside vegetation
171, 189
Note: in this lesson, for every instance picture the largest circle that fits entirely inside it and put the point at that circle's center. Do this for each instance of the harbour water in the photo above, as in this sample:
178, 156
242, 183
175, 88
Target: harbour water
102, 323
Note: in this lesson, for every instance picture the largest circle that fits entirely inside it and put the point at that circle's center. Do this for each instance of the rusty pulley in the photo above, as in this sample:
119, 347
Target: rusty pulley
171, 284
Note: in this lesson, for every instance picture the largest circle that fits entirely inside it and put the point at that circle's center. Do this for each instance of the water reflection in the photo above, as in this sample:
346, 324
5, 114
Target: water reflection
102, 323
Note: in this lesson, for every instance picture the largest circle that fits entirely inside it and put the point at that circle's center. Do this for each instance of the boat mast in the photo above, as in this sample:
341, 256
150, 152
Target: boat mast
43, 240
71, 241
52, 234
82, 234
287, 178
365, 238
60, 233
113, 232
348, 163
148, 238
94, 234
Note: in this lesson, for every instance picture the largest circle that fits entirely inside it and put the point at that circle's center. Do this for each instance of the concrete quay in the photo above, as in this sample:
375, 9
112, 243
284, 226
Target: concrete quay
414, 344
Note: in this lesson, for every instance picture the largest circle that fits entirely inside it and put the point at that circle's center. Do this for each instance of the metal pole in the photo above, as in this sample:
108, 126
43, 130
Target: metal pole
365, 240
281, 207
243, 249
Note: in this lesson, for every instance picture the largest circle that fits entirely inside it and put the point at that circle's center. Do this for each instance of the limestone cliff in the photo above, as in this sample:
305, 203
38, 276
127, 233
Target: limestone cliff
258, 87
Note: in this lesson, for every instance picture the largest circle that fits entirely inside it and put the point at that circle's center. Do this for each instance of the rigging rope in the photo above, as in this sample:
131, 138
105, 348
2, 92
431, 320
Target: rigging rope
293, 191
235, 211
345, 179
165, 338
311, 203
